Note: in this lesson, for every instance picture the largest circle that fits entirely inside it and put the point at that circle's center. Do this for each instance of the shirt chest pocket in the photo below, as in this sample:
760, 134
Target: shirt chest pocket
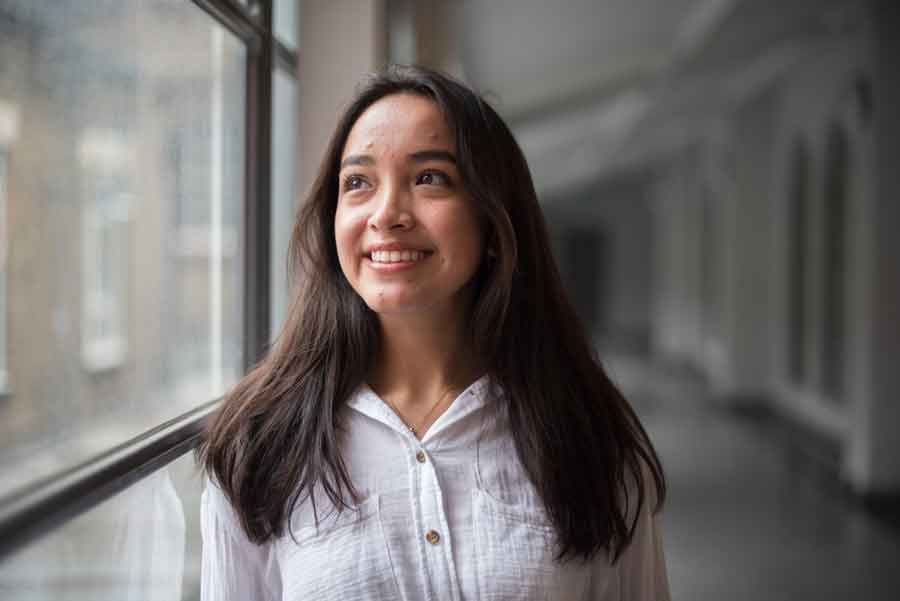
515, 549
344, 558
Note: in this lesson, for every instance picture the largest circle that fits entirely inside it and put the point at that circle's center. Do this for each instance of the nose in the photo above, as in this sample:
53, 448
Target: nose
391, 210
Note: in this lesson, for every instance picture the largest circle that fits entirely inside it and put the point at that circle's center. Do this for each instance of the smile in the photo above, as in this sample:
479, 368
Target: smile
398, 256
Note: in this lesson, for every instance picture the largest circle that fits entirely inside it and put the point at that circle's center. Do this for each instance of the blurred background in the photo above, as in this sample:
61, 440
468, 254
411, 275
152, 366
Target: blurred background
718, 177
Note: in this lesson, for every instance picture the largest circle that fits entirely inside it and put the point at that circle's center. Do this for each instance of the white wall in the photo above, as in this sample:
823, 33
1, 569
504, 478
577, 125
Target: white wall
340, 42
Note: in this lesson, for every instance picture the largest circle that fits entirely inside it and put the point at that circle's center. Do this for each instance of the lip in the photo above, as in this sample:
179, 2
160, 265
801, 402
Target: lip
396, 265
392, 267
394, 246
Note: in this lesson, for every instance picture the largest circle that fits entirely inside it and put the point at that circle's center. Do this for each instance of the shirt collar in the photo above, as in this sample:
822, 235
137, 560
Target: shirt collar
473, 398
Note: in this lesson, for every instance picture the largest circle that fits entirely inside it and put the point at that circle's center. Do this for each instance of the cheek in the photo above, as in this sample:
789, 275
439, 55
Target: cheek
468, 240
348, 229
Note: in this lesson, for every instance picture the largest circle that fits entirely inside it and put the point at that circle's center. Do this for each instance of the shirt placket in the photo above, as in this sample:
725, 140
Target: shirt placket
433, 533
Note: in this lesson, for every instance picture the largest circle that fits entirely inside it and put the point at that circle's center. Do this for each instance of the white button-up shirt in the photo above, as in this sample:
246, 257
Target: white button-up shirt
452, 516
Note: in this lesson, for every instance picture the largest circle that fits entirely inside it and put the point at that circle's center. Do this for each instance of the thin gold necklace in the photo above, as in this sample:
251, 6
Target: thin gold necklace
414, 431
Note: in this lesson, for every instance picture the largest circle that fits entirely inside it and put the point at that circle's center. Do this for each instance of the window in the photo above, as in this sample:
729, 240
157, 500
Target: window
837, 166
711, 257
284, 190
135, 145
798, 240
287, 22
105, 162
4, 243
121, 320
9, 126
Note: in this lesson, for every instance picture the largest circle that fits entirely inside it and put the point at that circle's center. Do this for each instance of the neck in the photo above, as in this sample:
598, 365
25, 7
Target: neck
423, 359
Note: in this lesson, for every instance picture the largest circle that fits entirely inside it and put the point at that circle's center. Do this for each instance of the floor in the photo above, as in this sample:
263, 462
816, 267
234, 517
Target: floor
745, 519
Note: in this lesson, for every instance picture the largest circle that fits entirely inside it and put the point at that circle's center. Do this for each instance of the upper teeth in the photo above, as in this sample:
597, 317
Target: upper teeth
395, 256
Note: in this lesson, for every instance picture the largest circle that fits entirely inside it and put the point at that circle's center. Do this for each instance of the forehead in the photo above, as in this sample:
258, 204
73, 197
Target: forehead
399, 121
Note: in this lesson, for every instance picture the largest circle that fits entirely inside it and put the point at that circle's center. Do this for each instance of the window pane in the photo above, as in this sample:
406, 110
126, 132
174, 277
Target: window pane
834, 335
284, 188
4, 378
286, 22
144, 543
124, 195
799, 257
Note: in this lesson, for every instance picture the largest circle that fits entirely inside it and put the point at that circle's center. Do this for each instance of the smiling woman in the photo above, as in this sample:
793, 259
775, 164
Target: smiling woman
431, 422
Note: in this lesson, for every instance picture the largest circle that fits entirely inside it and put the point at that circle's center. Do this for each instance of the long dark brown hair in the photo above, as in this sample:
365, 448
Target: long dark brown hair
274, 440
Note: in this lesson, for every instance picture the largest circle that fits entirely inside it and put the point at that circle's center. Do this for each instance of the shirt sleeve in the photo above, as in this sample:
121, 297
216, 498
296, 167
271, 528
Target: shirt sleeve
640, 572
233, 567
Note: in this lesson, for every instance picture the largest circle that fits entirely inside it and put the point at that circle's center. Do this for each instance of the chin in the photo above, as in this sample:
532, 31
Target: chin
396, 304
384, 307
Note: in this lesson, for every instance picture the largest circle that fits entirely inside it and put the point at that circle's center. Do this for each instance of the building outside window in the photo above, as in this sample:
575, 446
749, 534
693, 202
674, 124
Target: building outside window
132, 162
105, 158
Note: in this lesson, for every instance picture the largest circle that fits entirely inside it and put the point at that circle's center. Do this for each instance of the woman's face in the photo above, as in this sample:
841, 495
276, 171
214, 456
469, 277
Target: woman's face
408, 237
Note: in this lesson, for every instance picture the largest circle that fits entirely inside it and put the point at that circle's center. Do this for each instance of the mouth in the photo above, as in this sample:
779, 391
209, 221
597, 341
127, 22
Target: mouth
387, 257
387, 262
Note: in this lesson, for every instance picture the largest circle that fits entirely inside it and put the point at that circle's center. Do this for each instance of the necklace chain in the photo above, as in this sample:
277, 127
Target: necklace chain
424, 419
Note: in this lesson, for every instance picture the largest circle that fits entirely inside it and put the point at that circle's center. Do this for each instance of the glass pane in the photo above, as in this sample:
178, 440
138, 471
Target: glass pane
834, 335
124, 203
286, 22
142, 544
284, 189
4, 378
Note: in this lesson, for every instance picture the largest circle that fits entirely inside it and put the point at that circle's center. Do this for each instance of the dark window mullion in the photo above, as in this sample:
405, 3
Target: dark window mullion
258, 195
236, 19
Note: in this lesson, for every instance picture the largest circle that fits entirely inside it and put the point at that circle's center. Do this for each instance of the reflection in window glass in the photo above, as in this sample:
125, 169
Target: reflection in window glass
286, 22
284, 190
124, 189
144, 543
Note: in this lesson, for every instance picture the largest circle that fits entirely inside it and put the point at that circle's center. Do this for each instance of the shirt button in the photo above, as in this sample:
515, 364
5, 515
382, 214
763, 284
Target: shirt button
433, 537
420, 456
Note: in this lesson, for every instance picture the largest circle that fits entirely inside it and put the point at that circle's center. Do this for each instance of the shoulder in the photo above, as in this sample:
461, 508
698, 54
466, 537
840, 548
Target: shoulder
216, 506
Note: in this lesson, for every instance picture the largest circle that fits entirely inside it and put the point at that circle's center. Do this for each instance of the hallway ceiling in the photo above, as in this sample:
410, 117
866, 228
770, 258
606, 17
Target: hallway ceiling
591, 86
534, 55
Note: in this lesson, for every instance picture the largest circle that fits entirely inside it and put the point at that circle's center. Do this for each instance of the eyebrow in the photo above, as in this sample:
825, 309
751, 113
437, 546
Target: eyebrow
432, 155
420, 156
357, 159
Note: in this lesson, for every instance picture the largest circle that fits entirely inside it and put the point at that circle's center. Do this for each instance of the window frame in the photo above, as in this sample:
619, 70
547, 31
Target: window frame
46, 505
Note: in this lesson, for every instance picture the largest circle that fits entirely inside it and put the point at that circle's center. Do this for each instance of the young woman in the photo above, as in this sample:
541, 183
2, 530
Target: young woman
432, 422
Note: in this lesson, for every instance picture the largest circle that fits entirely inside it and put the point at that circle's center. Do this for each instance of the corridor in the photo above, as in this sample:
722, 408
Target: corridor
745, 519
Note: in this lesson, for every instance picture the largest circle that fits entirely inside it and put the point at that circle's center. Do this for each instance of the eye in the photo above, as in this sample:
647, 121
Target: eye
433, 178
354, 182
